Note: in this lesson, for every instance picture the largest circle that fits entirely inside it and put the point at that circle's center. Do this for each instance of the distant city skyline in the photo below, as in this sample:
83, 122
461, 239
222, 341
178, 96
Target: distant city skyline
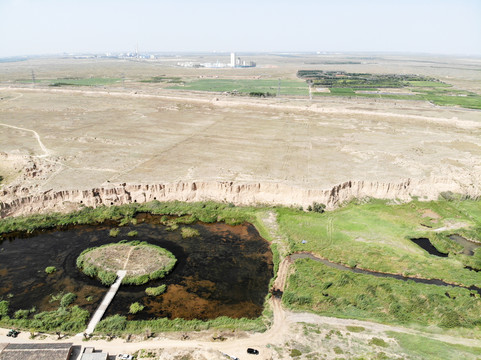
449, 27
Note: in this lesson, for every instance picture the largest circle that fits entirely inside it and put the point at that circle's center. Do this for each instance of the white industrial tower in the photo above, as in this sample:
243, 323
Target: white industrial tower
232, 59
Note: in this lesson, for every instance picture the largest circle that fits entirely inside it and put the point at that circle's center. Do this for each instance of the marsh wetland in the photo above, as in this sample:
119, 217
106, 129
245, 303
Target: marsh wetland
224, 271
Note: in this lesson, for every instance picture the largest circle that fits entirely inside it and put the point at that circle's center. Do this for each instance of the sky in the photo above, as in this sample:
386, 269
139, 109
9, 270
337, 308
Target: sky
36, 27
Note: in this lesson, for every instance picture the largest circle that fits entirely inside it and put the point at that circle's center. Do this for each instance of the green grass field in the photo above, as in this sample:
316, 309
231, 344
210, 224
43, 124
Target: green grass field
442, 96
421, 347
316, 287
376, 236
288, 87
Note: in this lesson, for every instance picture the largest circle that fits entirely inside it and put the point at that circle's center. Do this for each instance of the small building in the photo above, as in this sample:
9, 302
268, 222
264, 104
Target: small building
49, 351
90, 354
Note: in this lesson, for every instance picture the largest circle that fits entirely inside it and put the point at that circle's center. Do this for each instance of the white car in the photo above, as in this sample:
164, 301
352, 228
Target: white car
124, 357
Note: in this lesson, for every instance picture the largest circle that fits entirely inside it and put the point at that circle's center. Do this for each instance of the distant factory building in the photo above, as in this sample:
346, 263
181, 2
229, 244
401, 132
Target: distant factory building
235, 62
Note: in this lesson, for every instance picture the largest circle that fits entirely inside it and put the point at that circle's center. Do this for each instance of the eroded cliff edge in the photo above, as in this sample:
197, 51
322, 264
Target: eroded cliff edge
18, 200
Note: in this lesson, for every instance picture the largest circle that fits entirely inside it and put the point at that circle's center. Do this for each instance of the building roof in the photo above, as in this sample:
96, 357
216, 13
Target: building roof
90, 354
95, 356
49, 351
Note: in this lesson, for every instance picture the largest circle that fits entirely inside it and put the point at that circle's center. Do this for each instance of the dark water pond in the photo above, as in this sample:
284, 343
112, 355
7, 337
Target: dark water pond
426, 245
469, 246
223, 272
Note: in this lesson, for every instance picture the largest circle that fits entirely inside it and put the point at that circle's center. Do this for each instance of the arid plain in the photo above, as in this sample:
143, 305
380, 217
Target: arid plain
135, 132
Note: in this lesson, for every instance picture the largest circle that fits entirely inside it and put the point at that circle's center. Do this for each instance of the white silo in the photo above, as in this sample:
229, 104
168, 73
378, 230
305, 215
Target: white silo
232, 59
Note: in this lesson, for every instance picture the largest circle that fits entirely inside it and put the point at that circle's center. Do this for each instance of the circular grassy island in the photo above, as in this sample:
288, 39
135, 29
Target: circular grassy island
142, 261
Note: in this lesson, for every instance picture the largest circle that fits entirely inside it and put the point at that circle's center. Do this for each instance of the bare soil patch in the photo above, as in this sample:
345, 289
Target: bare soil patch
142, 262
136, 260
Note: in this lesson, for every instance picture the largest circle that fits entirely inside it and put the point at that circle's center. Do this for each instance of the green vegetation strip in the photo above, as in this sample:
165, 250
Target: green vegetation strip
246, 86
425, 348
67, 319
327, 291
105, 269
118, 325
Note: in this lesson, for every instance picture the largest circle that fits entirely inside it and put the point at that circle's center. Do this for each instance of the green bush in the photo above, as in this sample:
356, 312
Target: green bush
67, 299
115, 324
114, 232
21, 314
70, 320
135, 308
50, 269
378, 342
156, 291
189, 232
132, 233
295, 353
107, 278
4, 308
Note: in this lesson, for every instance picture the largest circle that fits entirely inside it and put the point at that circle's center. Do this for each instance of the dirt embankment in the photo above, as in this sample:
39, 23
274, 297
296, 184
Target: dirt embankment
18, 200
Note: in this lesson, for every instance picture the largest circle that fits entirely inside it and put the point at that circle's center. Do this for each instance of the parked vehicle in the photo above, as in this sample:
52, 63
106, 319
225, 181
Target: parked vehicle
13, 333
124, 357
252, 351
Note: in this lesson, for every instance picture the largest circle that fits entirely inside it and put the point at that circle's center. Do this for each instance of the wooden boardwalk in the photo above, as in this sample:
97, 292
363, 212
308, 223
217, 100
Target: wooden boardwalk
105, 302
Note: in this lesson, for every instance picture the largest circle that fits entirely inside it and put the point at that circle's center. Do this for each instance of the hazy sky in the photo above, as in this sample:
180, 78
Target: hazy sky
56, 26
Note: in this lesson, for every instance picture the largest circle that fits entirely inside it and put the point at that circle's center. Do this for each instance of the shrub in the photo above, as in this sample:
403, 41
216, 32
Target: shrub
114, 232
67, 299
378, 342
317, 207
4, 308
338, 350
135, 308
132, 233
50, 269
451, 319
112, 324
189, 232
107, 278
21, 314
295, 353
156, 291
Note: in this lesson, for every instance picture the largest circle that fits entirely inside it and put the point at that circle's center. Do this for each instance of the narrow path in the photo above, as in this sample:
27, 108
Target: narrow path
128, 257
105, 303
37, 136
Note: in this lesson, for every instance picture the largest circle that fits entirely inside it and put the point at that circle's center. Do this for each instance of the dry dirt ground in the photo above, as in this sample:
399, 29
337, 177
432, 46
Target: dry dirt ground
136, 260
83, 137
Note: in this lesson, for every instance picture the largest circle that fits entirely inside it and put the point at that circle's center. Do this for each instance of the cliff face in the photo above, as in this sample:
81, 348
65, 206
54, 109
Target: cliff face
21, 201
